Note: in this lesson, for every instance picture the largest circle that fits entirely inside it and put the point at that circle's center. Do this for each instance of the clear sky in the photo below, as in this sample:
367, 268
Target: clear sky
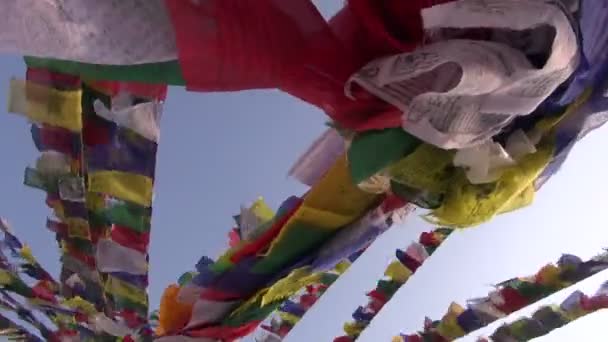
220, 150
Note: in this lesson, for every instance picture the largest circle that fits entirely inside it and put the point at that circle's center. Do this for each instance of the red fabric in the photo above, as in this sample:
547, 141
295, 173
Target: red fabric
225, 333
81, 317
429, 239
392, 203
344, 339
143, 90
96, 132
233, 238
391, 25
377, 295
308, 300
439, 338
52, 79
594, 303
75, 253
375, 305
57, 139
265, 239
41, 290
131, 318
284, 330
216, 295
52, 200
130, 238
513, 300
229, 45
311, 289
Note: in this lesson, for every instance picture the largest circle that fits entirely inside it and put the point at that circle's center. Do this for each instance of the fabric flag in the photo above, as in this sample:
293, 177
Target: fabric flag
124, 32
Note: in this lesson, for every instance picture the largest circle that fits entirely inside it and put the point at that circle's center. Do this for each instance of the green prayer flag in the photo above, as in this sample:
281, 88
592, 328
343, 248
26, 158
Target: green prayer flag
35, 179
388, 287
329, 278
298, 240
186, 278
372, 151
129, 215
253, 312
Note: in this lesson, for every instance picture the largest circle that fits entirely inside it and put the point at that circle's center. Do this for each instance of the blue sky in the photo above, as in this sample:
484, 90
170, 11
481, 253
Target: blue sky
220, 150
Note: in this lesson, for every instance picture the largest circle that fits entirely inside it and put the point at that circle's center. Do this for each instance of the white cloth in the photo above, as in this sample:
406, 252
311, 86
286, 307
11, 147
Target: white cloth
53, 163
104, 324
209, 311
112, 257
319, 157
92, 31
142, 118
485, 163
457, 93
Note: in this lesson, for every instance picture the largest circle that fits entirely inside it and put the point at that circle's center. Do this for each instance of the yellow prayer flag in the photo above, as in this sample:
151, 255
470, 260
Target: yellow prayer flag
289, 318
467, 204
120, 288
427, 168
80, 304
5, 277
549, 275
78, 228
261, 210
123, 185
337, 193
398, 272
332, 203
45, 105
449, 327
342, 266
26, 254
94, 201
288, 286
353, 329
320, 218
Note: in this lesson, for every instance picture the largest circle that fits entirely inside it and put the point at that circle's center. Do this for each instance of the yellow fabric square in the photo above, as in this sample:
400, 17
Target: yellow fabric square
94, 201
331, 204
321, 218
45, 105
120, 288
122, 185
78, 228
337, 193
398, 272
449, 327
261, 210
289, 318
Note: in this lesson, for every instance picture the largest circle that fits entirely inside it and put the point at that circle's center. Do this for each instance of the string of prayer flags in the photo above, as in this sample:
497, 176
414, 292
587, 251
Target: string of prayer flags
442, 104
232, 295
504, 141
548, 318
396, 274
97, 170
510, 296
293, 309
